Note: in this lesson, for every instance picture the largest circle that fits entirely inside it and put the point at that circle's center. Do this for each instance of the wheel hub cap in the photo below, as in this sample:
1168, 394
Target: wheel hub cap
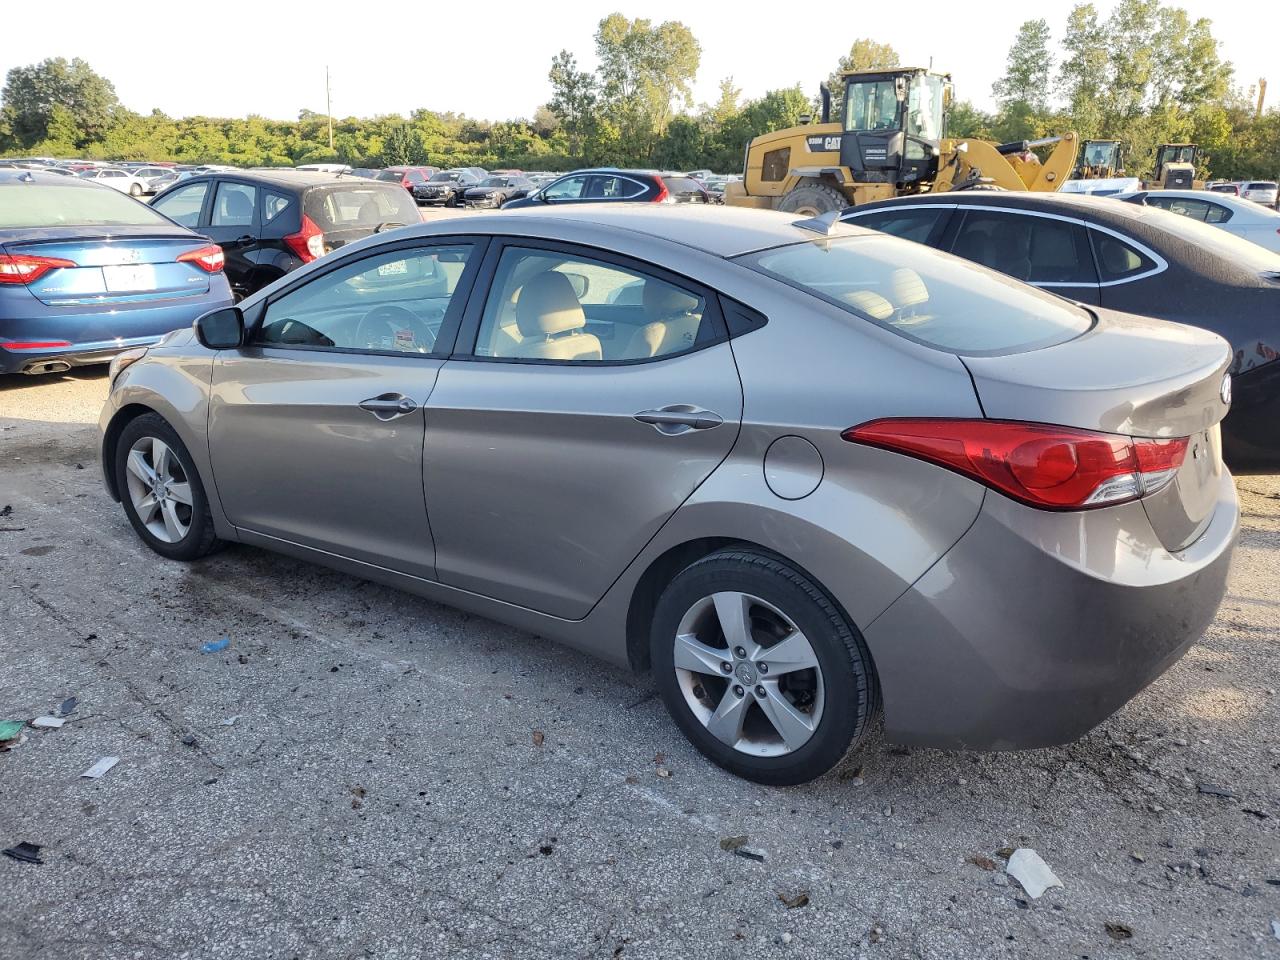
748, 674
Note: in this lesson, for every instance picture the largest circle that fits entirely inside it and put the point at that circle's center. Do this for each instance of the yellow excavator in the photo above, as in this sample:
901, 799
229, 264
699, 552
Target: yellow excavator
889, 142
1176, 167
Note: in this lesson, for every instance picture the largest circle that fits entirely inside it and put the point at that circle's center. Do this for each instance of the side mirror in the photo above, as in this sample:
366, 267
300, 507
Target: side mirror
579, 283
221, 329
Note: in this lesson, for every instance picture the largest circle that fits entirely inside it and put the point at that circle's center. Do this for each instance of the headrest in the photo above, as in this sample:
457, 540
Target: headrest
548, 305
662, 301
870, 303
907, 289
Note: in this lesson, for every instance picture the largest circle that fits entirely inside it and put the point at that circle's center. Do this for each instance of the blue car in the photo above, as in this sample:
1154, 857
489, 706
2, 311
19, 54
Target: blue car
87, 272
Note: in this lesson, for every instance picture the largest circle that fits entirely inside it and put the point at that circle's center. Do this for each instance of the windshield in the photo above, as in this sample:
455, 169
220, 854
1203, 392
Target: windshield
50, 205
494, 182
926, 296
1102, 154
1177, 155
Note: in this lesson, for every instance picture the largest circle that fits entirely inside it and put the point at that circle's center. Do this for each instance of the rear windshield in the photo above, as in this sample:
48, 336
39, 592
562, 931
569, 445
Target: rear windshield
360, 205
1262, 185
929, 297
53, 205
389, 175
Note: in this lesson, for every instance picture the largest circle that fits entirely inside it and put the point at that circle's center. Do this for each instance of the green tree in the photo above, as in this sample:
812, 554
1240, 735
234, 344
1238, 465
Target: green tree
1084, 71
1027, 69
33, 94
404, 147
864, 54
575, 101
645, 72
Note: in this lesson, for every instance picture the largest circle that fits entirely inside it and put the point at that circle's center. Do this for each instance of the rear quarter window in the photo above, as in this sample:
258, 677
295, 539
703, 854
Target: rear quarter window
925, 296
360, 206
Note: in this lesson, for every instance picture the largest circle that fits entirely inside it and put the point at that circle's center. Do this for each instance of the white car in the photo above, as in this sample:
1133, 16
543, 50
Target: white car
1103, 186
117, 179
1244, 218
1260, 191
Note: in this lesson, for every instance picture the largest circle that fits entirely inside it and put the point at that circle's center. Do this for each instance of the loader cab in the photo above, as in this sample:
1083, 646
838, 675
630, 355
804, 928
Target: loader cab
1100, 160
893, 121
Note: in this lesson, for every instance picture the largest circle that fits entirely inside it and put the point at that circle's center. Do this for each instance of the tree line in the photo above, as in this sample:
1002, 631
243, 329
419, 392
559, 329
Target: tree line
1146, 74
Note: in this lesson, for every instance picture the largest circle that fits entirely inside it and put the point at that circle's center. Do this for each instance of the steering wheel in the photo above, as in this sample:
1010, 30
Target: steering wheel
390, 327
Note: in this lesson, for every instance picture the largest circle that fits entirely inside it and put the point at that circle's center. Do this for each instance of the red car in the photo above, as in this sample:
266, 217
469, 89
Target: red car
407, 177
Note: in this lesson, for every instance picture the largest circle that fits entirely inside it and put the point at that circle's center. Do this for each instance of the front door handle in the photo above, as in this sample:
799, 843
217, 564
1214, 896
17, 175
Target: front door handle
388, 406
679, 418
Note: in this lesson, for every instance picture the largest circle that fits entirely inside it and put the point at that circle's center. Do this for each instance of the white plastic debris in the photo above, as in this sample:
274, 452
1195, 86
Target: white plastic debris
101, 767
1034, 874
54, 722
231, 721
1275, 929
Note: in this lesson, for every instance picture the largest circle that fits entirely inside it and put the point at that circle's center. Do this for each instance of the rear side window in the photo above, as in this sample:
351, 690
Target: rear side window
360, 206
1118, 260
924, 296
1195, 209
914, 225
274, 204
1030, 248
613, 188
233, 205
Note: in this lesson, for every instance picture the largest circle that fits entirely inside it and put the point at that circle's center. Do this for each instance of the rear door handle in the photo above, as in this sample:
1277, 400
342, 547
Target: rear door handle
679, 418
388, 406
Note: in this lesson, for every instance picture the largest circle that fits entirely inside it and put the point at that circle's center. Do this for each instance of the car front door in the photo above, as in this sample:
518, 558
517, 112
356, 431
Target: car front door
565, 190
568, 428
235, 224
185, 204
316, 426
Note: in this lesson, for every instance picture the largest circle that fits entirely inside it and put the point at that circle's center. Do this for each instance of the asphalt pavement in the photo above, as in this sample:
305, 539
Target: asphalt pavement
363, 774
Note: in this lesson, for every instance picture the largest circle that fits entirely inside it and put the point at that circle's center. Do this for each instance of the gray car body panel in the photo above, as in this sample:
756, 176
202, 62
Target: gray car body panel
891, 538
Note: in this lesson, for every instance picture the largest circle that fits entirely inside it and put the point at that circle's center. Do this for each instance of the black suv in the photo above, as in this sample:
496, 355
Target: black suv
611, 185
271, 222
447, 186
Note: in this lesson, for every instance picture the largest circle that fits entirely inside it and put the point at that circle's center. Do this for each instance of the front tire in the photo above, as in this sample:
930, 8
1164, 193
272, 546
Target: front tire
760, 669
135, 191
813, 199
161, 490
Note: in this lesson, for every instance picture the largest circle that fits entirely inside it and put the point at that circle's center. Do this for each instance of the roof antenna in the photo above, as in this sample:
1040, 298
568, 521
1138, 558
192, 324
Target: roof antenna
27, 177
824, 224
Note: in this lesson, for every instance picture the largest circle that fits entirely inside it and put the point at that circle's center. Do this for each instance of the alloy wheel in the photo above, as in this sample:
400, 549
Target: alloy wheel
749, 674
159, 489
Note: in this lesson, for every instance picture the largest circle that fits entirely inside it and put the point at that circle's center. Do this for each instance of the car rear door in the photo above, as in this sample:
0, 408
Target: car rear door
561, 437
316, 426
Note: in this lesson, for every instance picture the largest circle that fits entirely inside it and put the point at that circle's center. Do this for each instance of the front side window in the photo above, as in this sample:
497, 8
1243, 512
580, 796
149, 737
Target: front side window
919, 294
776, 165
391, 302
570, 188
1030, 248
915, 225
233, 205
184, 204
546, 305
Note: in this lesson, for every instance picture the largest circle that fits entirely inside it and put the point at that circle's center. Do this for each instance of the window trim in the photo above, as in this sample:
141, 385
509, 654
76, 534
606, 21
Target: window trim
469, 333
449, 326
938, 232
642, 189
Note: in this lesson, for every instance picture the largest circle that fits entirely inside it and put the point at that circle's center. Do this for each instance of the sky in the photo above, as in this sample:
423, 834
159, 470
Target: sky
490, 61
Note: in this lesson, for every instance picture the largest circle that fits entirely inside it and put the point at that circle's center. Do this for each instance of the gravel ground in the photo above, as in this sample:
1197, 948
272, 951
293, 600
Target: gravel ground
380, 792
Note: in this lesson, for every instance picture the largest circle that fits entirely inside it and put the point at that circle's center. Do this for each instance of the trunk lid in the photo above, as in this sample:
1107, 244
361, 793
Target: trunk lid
121, 268
1133, 376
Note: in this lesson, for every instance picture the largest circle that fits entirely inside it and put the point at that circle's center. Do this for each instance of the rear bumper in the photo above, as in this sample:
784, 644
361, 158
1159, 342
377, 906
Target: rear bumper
95, 334
1037, 626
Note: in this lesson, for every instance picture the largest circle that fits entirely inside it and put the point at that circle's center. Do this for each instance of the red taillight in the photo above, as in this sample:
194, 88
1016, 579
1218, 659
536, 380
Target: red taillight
35, 344
21, 268
307, 243
210, 259
1054, 468
664, 195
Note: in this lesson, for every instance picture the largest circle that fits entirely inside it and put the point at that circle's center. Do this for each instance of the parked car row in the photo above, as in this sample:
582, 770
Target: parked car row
1265, 192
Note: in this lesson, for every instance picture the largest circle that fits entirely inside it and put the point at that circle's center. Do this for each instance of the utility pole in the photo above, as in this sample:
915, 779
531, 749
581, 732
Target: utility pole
328, 104
1262, 96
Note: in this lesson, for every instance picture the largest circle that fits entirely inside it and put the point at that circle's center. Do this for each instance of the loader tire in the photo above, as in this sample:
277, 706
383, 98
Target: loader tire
813, 199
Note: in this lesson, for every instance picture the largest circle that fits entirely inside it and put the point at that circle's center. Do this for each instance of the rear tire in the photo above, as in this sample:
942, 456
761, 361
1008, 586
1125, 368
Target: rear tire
783, 700
135, 191
170, 526
813, 199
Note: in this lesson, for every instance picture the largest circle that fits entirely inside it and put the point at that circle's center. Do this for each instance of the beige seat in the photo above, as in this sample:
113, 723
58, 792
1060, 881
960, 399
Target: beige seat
672, 325
550, 320
870, 303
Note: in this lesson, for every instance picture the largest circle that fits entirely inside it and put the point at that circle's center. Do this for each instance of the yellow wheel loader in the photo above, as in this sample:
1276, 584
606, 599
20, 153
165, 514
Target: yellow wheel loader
1176, 167
1100, 160
889, 142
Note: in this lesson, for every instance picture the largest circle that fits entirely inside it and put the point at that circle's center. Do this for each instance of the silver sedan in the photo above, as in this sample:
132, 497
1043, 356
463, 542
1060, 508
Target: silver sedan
803, 473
